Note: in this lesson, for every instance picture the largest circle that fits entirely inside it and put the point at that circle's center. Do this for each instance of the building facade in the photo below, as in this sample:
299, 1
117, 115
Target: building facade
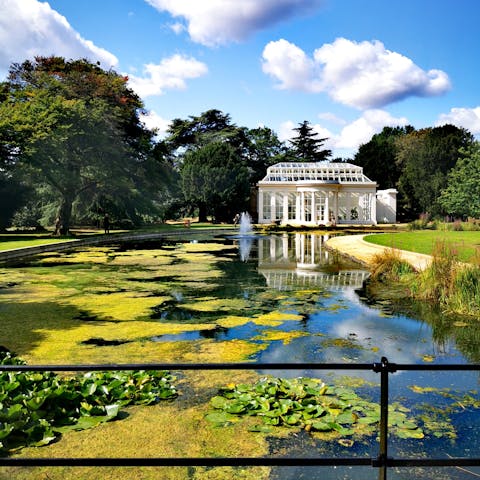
322, 193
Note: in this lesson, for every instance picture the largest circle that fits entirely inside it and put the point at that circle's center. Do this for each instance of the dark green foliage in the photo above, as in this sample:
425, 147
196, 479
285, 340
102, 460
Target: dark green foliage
461, 197
377, 157
263, 149
306, 146
36, 407
425, 157
215, 179
75, 128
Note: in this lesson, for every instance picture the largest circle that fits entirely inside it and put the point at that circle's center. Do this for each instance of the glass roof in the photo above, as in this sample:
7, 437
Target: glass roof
325, 172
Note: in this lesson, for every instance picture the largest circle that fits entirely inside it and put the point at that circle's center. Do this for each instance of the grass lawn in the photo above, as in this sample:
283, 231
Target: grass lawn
465, 244
10, 242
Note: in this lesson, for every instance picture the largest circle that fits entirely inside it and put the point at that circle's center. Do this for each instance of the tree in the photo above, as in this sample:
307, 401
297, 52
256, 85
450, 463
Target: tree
215, 180
461, 197
208, 127
77, 129
306, 146
425, 157
263, 149
377, 157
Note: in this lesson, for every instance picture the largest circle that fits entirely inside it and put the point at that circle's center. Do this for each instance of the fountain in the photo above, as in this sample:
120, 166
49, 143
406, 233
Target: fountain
245, 236
245, 223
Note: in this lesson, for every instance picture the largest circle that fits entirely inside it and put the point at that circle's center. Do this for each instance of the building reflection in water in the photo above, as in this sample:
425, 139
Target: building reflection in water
295, 260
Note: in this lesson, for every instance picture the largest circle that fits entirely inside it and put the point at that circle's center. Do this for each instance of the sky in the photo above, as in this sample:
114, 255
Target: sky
348, 67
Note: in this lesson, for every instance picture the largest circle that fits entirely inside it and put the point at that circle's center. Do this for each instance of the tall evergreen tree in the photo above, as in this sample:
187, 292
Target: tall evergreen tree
307, 146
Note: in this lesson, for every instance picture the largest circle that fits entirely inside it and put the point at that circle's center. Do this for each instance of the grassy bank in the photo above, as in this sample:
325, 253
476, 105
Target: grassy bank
465, 246
448, 283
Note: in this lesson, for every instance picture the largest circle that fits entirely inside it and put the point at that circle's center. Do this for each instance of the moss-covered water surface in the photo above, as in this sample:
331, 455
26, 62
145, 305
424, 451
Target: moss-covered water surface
270, 299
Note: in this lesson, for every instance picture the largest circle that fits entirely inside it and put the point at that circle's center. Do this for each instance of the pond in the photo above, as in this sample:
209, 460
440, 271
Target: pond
272, 298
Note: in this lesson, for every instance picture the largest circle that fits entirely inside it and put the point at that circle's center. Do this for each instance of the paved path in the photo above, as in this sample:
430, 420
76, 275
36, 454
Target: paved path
354, 246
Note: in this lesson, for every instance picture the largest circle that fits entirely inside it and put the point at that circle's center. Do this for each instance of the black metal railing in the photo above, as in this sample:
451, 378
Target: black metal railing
382, 461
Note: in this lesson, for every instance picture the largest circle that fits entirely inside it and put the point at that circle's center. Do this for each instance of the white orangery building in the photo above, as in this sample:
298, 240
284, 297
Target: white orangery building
322, 193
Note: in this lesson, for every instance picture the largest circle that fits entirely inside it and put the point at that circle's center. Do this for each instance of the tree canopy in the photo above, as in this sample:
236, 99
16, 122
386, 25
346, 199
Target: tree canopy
425, 157
215, 180
307, 146
461, 197
75, 128
377, 157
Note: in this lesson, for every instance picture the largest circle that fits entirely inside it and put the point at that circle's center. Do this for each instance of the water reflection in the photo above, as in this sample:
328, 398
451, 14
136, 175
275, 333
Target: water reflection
291, 261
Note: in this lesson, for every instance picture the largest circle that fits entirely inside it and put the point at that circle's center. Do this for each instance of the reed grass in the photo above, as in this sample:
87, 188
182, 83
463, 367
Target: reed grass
447, 282
388, 265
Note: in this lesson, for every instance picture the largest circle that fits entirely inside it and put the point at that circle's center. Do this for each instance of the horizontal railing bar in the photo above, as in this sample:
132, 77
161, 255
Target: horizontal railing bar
183, 462
437, 367
188, 366
433, 462
236, 461
392, 367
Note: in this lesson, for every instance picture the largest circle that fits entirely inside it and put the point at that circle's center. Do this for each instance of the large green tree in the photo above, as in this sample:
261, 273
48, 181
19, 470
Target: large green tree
76, 128
263, 149
307, 146
254, 150
215, 180
378, 156
199, 130
461, 197
425, 157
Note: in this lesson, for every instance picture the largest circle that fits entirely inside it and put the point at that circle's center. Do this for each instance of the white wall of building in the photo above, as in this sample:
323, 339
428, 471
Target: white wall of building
387, 206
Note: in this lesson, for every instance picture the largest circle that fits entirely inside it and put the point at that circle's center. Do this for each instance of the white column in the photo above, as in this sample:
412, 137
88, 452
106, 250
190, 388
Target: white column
373, 207
273, 202
260, 206
302, 206
313, 208
326, 211
285, 207
348, 206
335, 206
297, 207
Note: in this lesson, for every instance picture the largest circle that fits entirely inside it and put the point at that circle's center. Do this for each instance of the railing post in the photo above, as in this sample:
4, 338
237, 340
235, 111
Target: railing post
381, 461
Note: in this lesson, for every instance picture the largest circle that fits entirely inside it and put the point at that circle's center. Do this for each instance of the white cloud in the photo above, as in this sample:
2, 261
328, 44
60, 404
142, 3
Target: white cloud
362, 75
153, 121
169, 74
217, 22
177, 27
363, 128
29, 28
289, 65
331, 117
468, 118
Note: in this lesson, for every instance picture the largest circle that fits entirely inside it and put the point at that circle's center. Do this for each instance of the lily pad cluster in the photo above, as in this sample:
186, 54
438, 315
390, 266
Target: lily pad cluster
309, 404
36, 407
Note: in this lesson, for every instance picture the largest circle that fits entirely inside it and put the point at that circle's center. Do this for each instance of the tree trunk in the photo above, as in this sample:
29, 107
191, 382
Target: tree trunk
64, 215
202, 212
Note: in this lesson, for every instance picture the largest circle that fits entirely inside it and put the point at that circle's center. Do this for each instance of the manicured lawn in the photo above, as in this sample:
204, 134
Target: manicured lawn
10, 242
465, 244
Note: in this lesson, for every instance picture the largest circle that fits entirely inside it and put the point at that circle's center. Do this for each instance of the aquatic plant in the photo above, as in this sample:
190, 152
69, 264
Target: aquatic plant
36, 407
309, 404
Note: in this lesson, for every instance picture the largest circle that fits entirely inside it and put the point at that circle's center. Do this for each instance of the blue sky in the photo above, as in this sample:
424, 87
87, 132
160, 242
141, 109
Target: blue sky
349, 67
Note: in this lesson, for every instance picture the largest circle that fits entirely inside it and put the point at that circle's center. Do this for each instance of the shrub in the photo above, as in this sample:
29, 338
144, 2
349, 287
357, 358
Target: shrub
465, 297
389, 265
